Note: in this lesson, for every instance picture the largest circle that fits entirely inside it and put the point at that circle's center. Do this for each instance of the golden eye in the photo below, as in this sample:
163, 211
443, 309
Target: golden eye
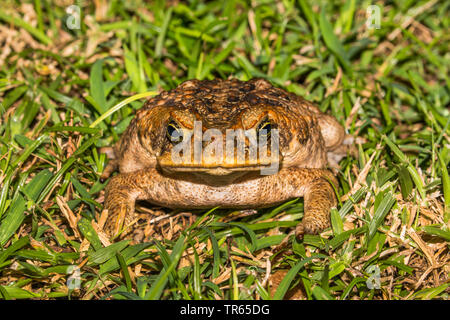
174, 132
264, 128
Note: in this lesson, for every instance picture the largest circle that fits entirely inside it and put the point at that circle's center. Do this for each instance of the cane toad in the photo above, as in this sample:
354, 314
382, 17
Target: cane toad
306, 138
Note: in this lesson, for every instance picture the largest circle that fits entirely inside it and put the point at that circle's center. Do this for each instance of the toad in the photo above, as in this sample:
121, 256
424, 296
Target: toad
177, 153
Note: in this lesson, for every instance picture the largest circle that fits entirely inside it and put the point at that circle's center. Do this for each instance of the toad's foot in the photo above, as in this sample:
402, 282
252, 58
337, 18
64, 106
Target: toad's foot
121, 194
319, 199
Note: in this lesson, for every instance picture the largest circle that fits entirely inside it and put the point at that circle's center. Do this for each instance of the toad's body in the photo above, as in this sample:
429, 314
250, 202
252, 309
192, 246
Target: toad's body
306, 139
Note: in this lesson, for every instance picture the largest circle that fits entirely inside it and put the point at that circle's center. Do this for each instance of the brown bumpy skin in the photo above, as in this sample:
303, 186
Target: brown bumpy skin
307, 139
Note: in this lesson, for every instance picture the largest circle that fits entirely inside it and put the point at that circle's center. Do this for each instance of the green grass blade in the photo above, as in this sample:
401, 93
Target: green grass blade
336, 222
130, 254
87, 230
286, 282
196, 275
235, 282
411, 169
96, 85
444, 234
162, 33
120, 105
104, 254
321, 294
333, 42
216, 253
22, 242
16, 213
380, 213
156, 290
22, 24
19, 293
124, 268
445, 186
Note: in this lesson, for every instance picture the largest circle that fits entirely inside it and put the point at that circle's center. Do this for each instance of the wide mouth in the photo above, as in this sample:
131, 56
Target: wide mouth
167, 164
210, 168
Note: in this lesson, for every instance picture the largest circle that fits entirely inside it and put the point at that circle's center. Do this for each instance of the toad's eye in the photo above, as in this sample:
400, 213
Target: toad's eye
264, 128
174, 132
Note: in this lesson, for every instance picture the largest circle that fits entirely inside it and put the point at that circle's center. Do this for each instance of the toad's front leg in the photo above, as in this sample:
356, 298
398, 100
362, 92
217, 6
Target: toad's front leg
121, 194
319, 198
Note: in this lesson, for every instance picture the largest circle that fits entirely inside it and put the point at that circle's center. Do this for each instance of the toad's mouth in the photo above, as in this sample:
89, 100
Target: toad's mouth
264, 165
215, 171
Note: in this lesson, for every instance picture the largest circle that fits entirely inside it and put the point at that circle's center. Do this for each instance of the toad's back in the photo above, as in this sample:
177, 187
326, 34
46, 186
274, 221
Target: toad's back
218, 102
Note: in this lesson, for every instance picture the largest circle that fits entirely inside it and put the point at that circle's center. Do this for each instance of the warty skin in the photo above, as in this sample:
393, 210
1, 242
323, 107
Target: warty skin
308, 140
